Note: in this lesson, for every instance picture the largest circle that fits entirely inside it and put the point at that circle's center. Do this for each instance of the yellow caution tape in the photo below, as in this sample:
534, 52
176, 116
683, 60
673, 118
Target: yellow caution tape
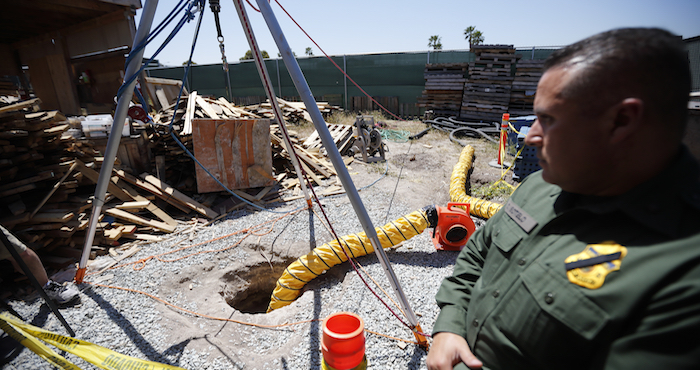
99, 356
35, 345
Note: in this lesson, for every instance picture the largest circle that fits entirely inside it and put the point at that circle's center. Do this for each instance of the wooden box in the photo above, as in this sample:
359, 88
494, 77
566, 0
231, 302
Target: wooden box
236, 151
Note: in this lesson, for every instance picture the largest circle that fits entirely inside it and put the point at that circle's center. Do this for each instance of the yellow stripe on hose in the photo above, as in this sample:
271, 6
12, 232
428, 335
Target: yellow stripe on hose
477, 207
291, 282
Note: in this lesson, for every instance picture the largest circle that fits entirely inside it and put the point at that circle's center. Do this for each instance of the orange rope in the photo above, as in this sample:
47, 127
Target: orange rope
201, 314
232, 320
141, 263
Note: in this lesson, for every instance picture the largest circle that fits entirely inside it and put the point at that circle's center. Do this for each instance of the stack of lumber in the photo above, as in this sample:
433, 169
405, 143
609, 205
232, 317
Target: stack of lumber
178, 168
8, 87
163, 91
522, 94
342, 136
47, 182
487, 92
293, 112
196, 106
444, 84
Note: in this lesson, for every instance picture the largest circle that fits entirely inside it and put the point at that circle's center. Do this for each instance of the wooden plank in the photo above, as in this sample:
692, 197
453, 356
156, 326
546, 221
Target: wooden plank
112, 188
234, 109
124, 215
191, 203
21, 105
53, 190
189, 113
55, 216
153, 189
146, 237
17, 190
206, 107
133, 205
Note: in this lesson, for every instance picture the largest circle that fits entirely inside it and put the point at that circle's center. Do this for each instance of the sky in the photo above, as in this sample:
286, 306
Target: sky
382, 26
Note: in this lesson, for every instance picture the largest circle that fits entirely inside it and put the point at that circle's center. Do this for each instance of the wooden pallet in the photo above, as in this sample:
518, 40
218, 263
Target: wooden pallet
340, 134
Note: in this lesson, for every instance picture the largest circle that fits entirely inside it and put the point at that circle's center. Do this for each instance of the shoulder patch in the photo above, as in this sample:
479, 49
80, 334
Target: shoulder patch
590, 267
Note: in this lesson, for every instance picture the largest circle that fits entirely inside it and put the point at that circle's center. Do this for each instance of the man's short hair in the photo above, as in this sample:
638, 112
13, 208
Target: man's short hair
648, 63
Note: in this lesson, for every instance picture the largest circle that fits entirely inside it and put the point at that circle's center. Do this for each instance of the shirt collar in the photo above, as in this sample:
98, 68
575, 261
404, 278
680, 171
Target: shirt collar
656, 204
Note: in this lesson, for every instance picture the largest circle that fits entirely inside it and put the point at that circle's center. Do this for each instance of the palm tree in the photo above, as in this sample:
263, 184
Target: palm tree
474, 36
249, 55
434, 42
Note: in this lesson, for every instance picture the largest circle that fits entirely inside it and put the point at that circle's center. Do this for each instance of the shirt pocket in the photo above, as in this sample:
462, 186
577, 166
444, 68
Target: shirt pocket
505, 237
548, 317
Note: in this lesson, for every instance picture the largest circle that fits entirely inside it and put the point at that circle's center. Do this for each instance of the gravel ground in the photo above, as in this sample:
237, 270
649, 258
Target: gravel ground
138, 326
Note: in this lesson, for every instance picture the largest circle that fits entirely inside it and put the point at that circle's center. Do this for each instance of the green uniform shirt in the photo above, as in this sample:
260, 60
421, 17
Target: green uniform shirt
510, 295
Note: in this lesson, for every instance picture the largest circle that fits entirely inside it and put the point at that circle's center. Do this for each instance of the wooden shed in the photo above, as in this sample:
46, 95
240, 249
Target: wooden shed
70, 53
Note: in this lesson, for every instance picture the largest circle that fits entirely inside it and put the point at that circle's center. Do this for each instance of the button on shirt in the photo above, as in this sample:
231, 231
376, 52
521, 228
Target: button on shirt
523, 311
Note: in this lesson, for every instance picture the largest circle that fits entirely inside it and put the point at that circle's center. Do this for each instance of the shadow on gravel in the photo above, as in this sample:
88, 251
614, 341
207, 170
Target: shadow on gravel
141, 343
314, 328
417, 359
233, 363
10, 348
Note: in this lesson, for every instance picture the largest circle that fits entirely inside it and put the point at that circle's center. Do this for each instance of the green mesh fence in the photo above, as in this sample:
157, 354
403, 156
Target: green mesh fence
394, 79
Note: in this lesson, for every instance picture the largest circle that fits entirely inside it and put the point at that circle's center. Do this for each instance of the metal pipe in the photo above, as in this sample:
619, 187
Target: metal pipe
149, 11
265, 77
333, 153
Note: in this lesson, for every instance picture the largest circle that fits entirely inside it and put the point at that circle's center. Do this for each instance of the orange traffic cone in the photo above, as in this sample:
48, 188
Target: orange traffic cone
343, 342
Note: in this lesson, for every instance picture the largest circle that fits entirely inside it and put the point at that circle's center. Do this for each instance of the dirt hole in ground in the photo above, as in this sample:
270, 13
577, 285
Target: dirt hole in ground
249, 290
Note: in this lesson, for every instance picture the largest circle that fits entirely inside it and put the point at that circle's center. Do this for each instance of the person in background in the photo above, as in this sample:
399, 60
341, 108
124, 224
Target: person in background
64, 295
594, 262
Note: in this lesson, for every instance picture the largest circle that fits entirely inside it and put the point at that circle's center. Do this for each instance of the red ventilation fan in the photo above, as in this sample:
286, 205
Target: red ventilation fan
454, 227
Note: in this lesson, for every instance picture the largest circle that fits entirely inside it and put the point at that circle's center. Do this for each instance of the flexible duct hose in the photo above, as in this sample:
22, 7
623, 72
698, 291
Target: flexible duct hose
322, 258
477, 207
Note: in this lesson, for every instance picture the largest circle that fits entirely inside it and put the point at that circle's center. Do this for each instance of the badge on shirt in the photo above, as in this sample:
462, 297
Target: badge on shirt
590, 267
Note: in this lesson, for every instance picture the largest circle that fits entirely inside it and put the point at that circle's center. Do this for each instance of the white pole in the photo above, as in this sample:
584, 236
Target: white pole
262, 70
147, 16
332, 151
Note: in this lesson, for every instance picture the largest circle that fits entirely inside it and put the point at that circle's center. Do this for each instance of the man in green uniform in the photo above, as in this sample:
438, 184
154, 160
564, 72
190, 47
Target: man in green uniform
594, 262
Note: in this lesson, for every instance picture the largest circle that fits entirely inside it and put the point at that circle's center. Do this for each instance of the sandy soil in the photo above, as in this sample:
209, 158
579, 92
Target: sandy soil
418, 175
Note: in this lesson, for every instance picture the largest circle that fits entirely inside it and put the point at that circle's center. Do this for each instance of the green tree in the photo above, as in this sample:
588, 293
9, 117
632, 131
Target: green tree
279, 55
434, 42
192, 63
249, 55
309, 52
474, 36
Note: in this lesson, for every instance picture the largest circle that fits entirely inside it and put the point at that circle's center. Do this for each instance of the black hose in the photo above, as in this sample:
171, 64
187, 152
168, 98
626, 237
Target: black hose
420, 134
470, 130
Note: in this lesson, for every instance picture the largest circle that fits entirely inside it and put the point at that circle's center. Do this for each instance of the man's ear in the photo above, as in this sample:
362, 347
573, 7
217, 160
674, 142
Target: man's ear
627, 119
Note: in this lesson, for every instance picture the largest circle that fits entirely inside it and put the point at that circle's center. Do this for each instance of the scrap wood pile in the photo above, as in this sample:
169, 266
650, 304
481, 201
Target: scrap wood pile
444, 84
47, 182
48, 176
179, 168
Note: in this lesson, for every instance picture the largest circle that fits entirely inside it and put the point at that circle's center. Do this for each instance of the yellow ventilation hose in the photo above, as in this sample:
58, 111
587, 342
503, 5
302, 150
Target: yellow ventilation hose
477, 207
322, 258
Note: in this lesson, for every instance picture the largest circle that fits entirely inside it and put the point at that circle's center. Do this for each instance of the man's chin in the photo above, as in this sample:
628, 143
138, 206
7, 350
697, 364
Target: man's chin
546, 176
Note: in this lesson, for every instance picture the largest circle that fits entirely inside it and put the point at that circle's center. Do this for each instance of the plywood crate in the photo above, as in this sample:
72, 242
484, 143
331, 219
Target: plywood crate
236, 151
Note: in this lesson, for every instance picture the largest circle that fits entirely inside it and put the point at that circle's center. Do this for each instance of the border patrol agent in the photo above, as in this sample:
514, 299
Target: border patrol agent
594, 262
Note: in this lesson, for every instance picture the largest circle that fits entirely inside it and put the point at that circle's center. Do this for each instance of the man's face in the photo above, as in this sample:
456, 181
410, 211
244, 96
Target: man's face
571, 144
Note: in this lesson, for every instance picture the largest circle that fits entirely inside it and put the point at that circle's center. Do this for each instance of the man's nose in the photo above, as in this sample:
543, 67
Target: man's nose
534, 135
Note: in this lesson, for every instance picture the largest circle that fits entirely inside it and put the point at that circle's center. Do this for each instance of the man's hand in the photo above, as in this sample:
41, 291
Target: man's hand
448, 350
